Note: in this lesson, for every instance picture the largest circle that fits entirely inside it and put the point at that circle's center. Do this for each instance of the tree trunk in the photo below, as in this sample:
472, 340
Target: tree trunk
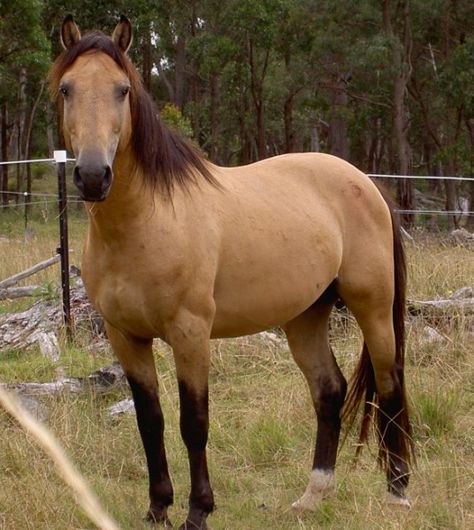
376, 147
451, 203
162, 76
470, 219
21, 120
28, 133
244, 108
180, 71
338, 144
261, 137
288, 119
50, 116
147, 54
214, 92
4, 140
401, 52
315, 143
256, 88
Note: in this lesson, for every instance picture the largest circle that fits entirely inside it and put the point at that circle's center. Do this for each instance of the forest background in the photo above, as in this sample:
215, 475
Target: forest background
387, 85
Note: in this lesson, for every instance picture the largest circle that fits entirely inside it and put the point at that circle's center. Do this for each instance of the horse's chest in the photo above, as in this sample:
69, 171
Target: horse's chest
127, 301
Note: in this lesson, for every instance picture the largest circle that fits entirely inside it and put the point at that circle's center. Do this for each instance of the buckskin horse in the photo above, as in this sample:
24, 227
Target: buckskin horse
182, 249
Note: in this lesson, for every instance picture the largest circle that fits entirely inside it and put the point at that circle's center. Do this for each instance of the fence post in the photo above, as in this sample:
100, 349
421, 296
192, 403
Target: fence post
63, 249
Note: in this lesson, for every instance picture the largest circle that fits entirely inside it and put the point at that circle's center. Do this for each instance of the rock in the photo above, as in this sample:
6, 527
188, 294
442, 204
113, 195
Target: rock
461, 236
48, 344
431, 336
104, 378
125, 406
34, 407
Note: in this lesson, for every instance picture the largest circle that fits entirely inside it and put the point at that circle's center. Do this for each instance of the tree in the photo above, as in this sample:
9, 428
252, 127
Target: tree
24, 54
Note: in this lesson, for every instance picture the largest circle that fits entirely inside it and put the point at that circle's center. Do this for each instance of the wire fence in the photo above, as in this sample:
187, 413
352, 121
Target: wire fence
76, 199
60, 159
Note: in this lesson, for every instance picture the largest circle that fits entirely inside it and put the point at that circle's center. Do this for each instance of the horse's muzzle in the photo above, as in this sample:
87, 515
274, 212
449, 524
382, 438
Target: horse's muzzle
93, 181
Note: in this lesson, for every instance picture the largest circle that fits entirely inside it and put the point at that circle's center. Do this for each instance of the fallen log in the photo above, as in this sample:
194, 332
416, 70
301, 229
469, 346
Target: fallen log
12, 280
11, 293
462, 301
101, 381
28, 328
441, 306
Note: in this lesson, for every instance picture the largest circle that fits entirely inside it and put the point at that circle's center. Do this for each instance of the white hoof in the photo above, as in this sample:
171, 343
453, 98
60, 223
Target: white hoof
306, 503
321, 485
395, 500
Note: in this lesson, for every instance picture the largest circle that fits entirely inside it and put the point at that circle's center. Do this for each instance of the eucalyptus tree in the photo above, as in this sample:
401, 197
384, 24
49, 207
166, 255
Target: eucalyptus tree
24, 54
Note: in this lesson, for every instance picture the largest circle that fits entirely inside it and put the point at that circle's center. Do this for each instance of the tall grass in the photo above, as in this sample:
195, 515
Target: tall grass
262, 427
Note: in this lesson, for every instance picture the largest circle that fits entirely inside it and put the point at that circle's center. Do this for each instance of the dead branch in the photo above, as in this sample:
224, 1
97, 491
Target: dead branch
8, 282
20, 292
462, 301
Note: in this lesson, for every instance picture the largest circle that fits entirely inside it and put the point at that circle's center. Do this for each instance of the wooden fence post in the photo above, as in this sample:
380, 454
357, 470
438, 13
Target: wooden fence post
63, 249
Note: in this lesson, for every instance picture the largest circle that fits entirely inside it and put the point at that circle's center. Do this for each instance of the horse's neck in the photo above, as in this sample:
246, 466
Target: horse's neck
129, 203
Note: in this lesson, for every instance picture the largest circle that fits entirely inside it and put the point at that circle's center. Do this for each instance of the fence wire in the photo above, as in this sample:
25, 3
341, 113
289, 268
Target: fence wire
75, 198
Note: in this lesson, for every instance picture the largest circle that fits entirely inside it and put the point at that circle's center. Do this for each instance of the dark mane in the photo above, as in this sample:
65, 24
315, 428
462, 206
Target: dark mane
165, 157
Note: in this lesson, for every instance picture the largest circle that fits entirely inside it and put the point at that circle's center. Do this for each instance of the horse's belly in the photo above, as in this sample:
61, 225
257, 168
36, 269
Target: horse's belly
254, 304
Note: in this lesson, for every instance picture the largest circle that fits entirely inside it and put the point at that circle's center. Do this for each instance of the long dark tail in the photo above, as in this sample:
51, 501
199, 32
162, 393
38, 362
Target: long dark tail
393, 427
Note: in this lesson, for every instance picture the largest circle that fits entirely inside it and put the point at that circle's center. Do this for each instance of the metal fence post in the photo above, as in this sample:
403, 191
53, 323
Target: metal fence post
60, 158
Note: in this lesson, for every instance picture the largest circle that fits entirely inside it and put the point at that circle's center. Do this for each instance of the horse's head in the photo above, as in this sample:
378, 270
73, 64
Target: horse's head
93, 82
102, 102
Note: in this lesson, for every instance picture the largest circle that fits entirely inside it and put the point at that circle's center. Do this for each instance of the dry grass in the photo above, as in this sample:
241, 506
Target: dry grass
262, 430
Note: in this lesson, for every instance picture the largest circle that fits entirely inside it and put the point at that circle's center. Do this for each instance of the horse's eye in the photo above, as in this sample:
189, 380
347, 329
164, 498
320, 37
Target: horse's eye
125, 90
64, 91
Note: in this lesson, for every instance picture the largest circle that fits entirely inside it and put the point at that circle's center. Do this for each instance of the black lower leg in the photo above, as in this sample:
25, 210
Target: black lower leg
395, 437
328, 409
151, 426
194, 423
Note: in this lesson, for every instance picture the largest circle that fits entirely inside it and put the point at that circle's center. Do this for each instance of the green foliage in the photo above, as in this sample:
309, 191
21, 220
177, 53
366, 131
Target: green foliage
173, 117
435, 412
23, 42
257, 78
457, 77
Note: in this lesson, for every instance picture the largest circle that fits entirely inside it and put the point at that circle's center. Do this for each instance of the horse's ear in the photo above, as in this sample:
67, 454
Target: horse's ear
122, 35
70, 33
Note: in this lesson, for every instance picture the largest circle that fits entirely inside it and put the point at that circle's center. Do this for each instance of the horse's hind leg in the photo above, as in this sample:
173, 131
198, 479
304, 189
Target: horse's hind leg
308, 340
136, 358
372, 309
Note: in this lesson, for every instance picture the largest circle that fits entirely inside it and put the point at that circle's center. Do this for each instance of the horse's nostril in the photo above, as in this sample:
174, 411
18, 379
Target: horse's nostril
77, 179
107, 178
93, 180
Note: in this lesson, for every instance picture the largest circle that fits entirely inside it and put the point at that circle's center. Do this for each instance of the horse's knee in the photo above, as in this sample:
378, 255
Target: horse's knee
331, 399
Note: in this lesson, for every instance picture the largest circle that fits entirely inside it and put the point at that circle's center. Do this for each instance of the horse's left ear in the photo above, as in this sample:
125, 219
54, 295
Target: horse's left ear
70, 33
122, 35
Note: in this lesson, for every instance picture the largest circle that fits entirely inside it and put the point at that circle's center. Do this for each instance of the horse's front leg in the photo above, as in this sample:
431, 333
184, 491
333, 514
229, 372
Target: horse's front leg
136, 357
189, 339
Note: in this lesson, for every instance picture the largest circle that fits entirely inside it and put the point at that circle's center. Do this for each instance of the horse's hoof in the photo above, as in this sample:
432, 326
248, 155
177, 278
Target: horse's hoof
396, 500
300, 506
321, 485
158, 519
